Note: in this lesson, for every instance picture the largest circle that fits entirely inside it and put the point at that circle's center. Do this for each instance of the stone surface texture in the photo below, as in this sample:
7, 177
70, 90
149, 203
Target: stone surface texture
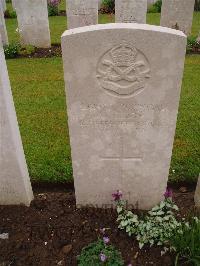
177, 14
13, 4
15, 187
197, 194
122, 98
99, 3
82, 13
3, 4
3, 31
127, 11
33, 22
151, 2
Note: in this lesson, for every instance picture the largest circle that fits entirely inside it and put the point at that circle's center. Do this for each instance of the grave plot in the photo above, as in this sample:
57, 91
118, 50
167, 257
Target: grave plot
112, 169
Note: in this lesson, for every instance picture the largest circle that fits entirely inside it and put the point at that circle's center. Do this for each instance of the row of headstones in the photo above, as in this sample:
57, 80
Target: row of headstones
175, 14
33, 21
122, 99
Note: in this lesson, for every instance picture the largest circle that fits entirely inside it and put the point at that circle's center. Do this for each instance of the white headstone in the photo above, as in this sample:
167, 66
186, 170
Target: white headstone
99, 3
82, 13
13, 4
197, 194
177, 14
33, 23
128, 11
122, 98
3, 4
3, 31
151, 2
15, 187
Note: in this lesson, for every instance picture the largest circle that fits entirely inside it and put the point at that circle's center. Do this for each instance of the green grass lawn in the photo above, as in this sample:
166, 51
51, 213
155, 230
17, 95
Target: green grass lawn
58, 25
38, 90
62, 5
9, 7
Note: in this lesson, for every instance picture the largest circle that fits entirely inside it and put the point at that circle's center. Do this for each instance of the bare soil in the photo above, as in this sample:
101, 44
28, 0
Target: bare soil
53, 232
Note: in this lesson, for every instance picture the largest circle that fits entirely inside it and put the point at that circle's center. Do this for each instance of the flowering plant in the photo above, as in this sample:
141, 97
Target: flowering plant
154, 228
54, 2
100, 252
53, 7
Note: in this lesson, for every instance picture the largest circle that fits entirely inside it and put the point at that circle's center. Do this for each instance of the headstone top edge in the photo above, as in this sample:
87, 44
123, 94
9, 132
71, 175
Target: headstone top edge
136, 26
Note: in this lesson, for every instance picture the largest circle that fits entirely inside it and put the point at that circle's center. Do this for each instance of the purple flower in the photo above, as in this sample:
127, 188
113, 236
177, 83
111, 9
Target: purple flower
168, 193
53, 2
117, 195
106, 240
102, 257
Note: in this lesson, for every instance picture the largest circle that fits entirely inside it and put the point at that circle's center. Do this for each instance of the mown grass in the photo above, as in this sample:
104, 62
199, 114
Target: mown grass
186, 153
62, 5
58, 25
38, 90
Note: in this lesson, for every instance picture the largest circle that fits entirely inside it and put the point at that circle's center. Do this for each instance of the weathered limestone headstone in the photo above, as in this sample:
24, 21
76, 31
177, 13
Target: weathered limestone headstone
81, 13
99, 3
122, 98
3, 4
3, 31
151, 2
130, 11
33, 22
13, 4
197, 194
177, 14
15, 187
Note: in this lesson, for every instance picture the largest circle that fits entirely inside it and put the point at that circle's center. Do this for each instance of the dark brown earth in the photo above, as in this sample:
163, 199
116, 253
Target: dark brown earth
53, 232
53, 51
56, 51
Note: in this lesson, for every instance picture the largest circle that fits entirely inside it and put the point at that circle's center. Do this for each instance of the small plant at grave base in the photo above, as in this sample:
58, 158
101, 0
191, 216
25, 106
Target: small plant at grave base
10, 14
27, 50
53, 7
11, 50
108, 6
186, 243
156, 227
193, 44
156, 7
197, 5
100, 252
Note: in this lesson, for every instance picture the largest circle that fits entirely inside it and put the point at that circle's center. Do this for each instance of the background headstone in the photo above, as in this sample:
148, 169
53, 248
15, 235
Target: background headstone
3, 31
197, 194
13, 4
130, 11
151, 2
33, 22
99, 4
81, 13
15, 187
3, 4
177, 14
122, 98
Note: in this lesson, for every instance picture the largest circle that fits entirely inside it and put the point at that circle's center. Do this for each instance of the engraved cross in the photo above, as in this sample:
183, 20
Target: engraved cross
122, 158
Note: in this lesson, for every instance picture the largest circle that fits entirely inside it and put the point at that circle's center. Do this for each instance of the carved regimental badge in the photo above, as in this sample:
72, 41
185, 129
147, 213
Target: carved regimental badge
123, 71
